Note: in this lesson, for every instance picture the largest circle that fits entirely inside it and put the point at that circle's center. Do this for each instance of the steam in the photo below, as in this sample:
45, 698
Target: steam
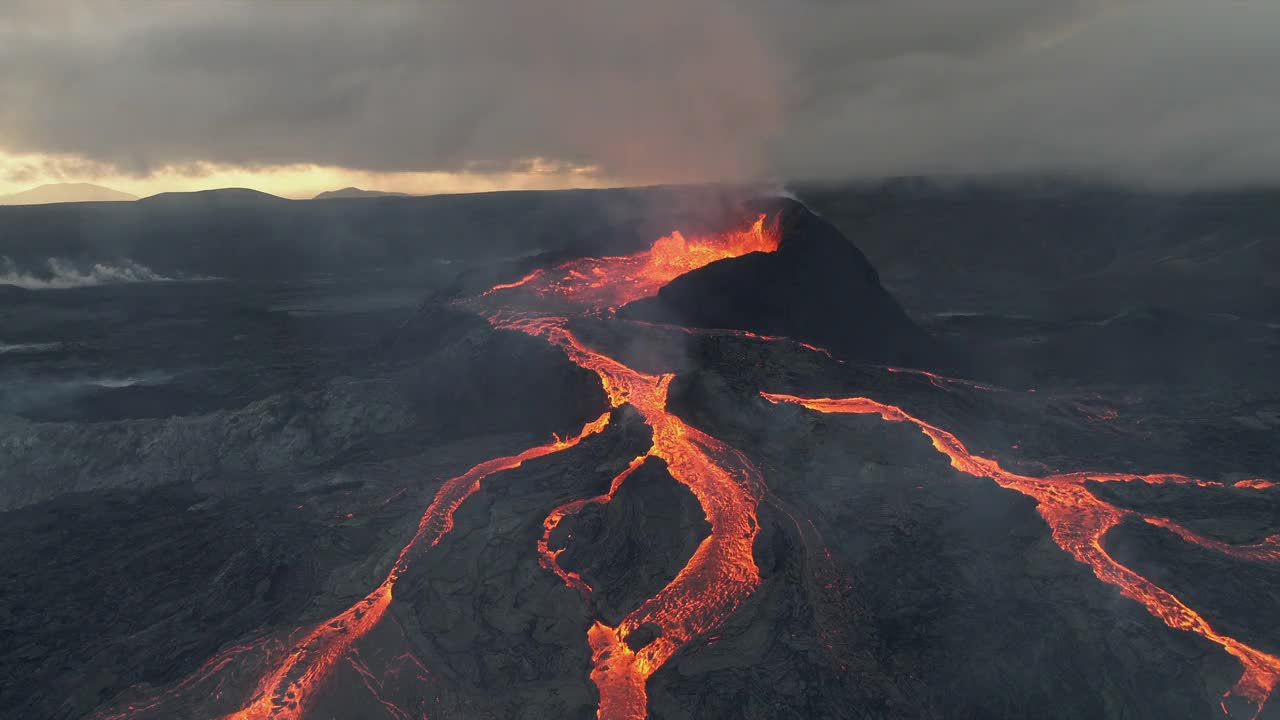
782, 190
61, 275
28, 348
24, 393
116, 383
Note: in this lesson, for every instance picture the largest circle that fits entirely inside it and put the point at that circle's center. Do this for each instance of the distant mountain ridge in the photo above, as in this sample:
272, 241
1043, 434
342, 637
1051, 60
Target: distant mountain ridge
355, 192
220, 195
64, 193
237, 233
1069, 249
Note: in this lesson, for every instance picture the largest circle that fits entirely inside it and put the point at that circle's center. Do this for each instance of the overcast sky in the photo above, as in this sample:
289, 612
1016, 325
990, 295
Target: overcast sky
303, 96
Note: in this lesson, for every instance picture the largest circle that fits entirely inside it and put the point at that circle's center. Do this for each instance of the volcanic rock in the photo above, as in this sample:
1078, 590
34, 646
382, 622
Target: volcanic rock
453, 376
483, 613
816, 288
631, 547
897, 519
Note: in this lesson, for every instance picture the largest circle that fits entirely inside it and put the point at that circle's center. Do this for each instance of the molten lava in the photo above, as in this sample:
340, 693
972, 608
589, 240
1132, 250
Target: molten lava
722, 572
549, 558
611, 282
283, 691
941, 381
1078, 521
516, 284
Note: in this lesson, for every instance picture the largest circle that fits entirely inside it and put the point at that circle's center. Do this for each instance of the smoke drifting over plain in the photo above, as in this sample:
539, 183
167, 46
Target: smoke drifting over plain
1161, 91
60, 274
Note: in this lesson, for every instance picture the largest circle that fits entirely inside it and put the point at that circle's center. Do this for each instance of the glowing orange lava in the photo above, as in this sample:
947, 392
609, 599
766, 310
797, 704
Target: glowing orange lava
516, 284
597, 283
941, 381
717, 578
283, 692
721, 573
735, 333
547, 557
1078, 521
1266, 551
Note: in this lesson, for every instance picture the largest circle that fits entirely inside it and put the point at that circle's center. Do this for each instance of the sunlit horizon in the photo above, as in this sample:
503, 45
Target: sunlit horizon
21, 172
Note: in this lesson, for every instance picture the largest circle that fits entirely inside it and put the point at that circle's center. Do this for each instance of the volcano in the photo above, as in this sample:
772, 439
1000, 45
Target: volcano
679, 454
814, 287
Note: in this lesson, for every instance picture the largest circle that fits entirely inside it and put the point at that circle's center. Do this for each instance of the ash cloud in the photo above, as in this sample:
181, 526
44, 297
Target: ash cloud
1160, 91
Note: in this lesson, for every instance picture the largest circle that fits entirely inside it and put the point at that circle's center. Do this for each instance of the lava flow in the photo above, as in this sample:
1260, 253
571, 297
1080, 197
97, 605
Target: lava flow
941, 381
611, 282
283, 691
721, 573
1079, 521
549, 558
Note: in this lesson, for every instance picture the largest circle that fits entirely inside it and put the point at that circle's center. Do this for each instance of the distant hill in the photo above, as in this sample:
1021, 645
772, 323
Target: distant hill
65, 192
205, 197
240, 234
355, 192
941, 248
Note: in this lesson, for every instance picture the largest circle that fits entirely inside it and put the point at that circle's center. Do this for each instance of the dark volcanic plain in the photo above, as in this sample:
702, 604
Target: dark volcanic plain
223, 415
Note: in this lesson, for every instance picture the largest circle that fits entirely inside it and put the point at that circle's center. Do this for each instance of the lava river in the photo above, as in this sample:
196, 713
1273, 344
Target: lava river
722, 572
1079, 521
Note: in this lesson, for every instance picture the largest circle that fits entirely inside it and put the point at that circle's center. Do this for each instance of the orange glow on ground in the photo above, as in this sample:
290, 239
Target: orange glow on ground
941, 381
1266, 551
547, 557
1078, 521
283, 691
598, 283
722, 572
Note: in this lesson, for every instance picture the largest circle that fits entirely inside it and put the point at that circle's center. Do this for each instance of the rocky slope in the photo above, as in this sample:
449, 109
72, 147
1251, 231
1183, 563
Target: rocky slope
816, 288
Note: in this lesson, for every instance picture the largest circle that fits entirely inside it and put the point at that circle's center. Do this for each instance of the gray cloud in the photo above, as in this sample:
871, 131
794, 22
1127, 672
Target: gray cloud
1169, 91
